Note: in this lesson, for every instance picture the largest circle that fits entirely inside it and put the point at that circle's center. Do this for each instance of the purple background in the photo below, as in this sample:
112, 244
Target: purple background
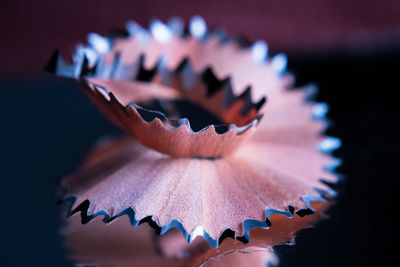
31, 30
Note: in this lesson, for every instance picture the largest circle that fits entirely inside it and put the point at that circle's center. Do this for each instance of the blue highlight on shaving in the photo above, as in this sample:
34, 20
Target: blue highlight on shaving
198, 27
279, 63
259, 52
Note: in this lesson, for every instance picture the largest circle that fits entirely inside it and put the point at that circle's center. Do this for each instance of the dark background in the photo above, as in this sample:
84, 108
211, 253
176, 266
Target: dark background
351, 49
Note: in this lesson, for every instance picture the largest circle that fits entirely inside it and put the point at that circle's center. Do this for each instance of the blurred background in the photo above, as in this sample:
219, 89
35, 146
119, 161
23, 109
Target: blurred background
350, 49
32, 29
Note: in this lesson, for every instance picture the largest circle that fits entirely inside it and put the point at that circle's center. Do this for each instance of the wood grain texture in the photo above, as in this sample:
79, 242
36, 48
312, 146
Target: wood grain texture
226, 59
119, 244
215, 194
274, 169
169, 137
250, 174
288, 120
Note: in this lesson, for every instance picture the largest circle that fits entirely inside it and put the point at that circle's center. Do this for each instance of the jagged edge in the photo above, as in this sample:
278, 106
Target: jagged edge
290, 242
52, 67
310, 225
205, 75
248, 224
221, 35
77, 70
182, 32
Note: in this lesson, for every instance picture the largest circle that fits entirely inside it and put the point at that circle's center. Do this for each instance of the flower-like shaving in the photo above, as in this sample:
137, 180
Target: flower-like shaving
152, 112
140, 245
278, 170
198, 196
151, 55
